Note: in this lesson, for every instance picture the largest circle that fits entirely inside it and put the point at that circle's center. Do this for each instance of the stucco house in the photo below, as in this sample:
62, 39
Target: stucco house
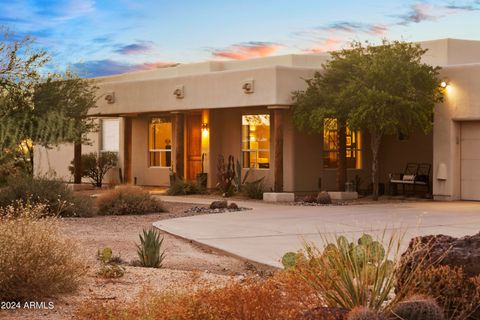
169, 119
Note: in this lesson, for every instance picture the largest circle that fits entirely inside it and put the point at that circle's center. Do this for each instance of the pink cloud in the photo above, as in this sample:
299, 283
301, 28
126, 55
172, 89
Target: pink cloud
329, 44
247, 50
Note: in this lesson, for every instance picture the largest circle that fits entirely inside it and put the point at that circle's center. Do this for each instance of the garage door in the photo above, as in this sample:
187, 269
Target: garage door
470, 160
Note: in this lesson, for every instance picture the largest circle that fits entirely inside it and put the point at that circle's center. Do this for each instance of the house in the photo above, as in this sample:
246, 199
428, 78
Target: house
181, 118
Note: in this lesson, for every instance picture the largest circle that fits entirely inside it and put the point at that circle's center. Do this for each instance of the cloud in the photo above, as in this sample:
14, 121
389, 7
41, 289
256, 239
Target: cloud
422, 11
354, 27
140, 47
329, 44
63, 10
107, 67
247, 50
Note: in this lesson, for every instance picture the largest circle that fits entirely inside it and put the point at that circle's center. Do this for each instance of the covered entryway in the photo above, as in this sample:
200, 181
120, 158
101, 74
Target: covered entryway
470, 160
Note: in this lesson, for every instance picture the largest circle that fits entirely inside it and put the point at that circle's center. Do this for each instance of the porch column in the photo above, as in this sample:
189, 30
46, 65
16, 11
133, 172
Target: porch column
127, 150
178, 135
278, 121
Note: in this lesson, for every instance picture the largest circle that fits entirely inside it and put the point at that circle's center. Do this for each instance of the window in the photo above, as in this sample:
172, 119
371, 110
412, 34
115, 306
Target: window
110, 135
160, 142
256, 141
330, 146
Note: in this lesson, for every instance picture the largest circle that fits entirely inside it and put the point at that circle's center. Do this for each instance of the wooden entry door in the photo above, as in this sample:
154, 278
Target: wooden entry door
194, 145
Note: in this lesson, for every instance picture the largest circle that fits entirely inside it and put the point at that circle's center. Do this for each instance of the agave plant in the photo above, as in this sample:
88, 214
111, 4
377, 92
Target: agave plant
149, 250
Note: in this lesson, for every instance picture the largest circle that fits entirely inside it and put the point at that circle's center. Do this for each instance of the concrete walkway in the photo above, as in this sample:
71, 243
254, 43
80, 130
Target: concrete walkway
265, 233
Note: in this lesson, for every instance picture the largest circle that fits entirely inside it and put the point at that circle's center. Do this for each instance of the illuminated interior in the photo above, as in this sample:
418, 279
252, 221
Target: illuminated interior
256, 141
160, 142
330, 146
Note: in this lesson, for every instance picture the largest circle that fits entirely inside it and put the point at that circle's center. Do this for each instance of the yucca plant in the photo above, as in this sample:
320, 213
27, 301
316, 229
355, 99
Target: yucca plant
348, 274
149, 250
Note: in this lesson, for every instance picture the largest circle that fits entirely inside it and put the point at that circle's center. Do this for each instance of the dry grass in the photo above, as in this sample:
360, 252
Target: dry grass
282, 296
127, 200
36, 260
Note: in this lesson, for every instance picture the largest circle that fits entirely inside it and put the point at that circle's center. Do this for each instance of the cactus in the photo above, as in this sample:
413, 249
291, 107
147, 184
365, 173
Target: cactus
149, 250
363, 313
418, 307
289, 260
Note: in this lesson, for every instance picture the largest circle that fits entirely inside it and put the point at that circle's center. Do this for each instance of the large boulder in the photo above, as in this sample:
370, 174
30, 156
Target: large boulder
455, 252
221, 204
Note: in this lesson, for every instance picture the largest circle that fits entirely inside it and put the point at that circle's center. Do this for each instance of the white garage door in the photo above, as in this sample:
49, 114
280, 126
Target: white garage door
470, 160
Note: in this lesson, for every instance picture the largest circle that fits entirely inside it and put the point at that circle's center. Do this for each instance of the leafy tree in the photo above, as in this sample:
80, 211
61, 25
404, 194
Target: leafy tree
393, 91
327, 103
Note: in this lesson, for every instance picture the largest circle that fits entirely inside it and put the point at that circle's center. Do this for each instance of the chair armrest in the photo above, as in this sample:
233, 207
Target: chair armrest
395, 176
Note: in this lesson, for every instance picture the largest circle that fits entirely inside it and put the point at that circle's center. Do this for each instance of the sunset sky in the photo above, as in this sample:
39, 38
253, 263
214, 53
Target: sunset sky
113, 36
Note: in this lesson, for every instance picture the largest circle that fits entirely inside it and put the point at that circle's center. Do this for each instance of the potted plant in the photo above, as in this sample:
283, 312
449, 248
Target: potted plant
202, 176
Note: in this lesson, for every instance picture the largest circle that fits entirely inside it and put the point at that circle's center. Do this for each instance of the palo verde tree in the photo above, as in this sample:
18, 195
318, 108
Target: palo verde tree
327, 103
393, 91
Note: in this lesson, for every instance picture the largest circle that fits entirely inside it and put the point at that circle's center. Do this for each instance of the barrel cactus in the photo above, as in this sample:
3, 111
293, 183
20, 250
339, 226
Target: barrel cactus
418, 308
363, 313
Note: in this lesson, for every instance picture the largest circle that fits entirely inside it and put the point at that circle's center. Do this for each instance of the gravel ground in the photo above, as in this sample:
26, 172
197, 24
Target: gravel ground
186, 264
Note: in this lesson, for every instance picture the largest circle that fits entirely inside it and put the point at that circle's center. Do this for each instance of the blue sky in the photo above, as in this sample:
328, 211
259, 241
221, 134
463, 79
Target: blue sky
105, 37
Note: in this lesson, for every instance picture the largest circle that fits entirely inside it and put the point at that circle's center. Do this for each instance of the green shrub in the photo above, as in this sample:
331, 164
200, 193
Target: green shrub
57, 197
126, 200
182, 187
36, 260
149, 250
96, 165
254, 189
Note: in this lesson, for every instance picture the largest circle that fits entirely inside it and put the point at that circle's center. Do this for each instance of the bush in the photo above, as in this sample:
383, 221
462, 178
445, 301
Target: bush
96, 165
279, 297
57, 197
149, 250
254, 189
127, 200
181, 187
36, 260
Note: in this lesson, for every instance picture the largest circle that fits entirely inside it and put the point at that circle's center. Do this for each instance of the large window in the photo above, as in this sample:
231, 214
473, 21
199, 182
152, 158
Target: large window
110, 135
160, 142
330, 146
256, 141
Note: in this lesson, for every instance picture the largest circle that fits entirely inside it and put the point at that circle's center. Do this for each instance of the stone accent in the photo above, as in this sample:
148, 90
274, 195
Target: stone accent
343, 195
278, 197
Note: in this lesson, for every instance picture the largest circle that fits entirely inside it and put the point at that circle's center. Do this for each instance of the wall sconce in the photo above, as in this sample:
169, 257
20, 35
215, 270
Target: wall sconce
204, 127
248, 86
179, 92
444, 84
110, 97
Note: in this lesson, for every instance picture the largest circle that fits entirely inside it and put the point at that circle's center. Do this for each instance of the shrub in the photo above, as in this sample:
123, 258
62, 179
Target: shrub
111, 271
279, 297
57, 197
96, 165
182, 187
254, 189
36, 260
127, 200
417, 308
348, 274
458, 294
149, 250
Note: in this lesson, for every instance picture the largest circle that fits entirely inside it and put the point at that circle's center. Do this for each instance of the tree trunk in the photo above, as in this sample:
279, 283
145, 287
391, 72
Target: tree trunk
342, 155
77, 162
375, 141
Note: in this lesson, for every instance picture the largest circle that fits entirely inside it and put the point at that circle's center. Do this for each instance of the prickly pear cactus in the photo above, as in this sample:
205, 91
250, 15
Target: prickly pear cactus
418, 308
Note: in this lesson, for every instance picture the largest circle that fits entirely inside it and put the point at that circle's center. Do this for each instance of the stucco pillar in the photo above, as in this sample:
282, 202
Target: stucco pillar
178, 134
127, 150
278, 122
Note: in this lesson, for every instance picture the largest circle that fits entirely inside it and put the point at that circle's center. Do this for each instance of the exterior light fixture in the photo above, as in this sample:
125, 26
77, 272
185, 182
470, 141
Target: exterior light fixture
444, 84
204, 127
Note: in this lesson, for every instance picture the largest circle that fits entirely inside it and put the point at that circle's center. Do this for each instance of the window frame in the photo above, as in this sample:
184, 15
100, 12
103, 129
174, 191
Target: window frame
159, 151
102, 135
355, 150
269, 150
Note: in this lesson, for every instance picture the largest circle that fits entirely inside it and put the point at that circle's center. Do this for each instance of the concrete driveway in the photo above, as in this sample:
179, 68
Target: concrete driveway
266, 232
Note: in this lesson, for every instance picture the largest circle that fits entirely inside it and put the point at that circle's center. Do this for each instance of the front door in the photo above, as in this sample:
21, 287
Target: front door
194, 145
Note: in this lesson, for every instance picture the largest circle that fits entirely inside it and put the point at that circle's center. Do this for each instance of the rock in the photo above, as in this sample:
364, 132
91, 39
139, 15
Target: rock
455, 252
222, 204
233, 206
310, 198
324, 198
